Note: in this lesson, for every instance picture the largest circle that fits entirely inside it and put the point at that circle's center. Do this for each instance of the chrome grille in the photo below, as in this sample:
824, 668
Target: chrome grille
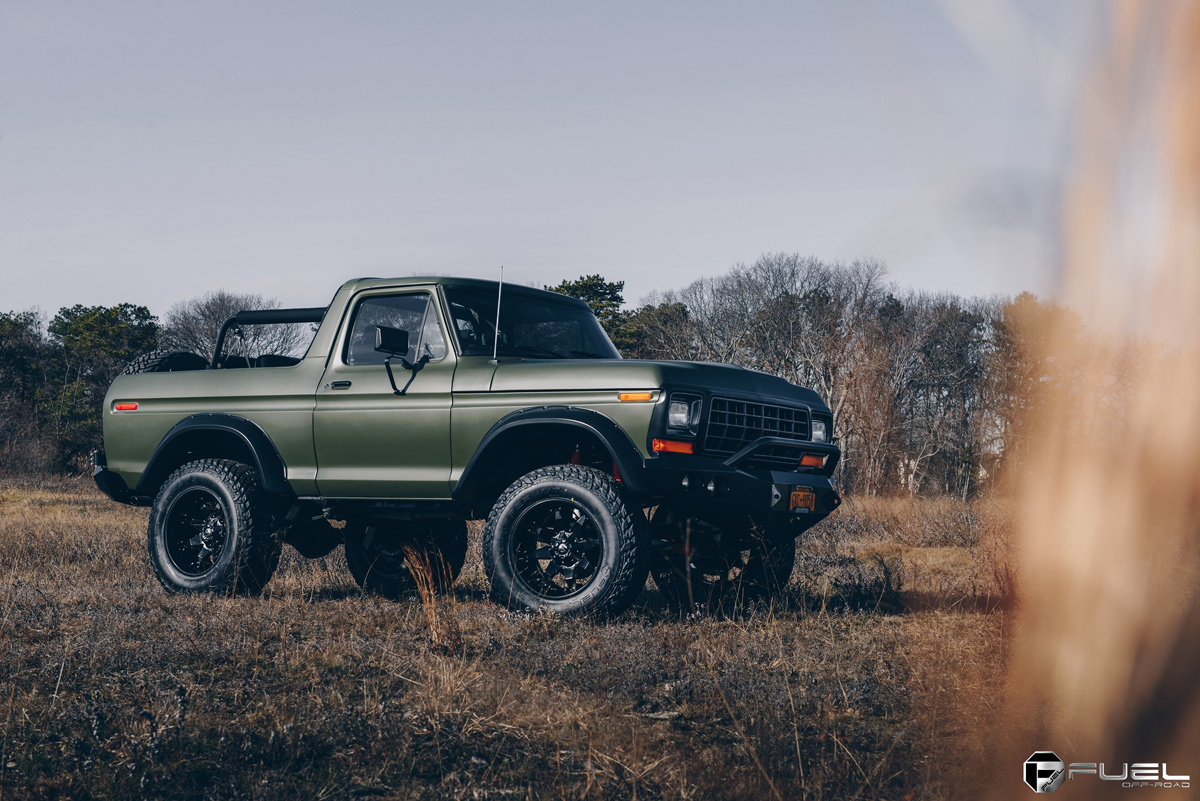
734, 424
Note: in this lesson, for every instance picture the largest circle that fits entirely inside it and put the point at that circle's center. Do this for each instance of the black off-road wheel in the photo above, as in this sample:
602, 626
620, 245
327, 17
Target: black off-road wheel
565, 539
211, 530
395, 558
711, 569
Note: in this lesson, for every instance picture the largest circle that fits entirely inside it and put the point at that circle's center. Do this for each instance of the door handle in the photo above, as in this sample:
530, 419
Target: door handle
340, 385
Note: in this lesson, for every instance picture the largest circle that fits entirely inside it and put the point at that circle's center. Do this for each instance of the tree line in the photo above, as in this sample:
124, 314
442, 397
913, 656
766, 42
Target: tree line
930, 391
54, 373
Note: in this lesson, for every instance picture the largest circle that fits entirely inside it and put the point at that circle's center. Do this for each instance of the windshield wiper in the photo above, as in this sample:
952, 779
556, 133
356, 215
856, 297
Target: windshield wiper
587, 354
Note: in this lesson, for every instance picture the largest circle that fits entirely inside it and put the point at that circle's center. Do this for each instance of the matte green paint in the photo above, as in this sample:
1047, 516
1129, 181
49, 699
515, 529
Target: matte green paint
373, 443
366, 442
279, 399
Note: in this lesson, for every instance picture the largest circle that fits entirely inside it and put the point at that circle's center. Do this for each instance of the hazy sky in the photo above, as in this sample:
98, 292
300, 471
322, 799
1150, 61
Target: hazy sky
152, 151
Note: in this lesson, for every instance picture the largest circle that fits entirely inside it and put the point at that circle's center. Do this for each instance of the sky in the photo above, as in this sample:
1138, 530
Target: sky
152, 151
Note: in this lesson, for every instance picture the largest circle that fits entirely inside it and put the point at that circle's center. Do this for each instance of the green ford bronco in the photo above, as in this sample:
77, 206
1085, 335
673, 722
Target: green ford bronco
413, 411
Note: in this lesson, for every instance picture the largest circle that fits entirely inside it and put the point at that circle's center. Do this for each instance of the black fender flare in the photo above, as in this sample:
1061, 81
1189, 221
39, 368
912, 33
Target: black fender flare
624, 453
267, 461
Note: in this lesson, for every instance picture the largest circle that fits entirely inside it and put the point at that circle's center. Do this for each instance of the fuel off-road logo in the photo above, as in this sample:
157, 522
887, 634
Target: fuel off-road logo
1045, 773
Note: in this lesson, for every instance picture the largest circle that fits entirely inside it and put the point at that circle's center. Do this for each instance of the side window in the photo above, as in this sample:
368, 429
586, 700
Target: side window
433, 344
412, 313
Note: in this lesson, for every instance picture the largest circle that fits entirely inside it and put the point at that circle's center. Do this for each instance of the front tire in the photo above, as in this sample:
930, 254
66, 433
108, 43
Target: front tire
565, 539
718, 568
211, 530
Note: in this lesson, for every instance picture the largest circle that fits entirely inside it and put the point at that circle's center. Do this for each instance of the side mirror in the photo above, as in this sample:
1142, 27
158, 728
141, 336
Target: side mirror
392, 341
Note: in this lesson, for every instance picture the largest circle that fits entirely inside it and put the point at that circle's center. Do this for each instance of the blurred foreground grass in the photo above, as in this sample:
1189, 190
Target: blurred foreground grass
886, 651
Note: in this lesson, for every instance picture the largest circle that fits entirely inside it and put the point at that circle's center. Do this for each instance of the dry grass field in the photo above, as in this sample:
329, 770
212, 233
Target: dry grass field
866, 681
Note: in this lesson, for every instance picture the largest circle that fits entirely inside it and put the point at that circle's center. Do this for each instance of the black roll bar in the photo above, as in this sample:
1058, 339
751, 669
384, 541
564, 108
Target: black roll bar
265, 317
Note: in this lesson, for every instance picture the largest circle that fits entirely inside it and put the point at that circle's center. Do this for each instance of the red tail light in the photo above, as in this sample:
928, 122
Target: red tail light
126, 407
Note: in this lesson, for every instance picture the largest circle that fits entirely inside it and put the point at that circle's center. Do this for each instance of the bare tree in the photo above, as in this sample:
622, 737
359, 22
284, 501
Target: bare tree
906, 373
193, 325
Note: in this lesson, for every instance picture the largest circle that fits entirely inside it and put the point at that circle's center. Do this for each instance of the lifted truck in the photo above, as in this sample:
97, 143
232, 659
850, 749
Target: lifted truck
412, 412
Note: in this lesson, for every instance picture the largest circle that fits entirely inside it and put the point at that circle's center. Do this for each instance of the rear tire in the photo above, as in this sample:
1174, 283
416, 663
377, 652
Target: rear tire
211, 530
565, 539
394, 558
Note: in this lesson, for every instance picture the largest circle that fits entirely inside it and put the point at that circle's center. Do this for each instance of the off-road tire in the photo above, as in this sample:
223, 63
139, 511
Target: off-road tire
165, 361
431, 552
755, 563
250, 550
621, 525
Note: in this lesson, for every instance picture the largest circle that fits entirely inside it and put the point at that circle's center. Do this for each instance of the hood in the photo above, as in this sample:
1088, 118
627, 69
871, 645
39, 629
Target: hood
532, 375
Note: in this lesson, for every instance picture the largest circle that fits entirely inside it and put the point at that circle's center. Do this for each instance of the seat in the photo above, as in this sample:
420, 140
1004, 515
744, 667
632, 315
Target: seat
275, 360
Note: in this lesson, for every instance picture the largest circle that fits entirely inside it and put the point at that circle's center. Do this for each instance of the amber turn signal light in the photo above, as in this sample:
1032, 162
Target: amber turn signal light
812, 460
126, 407
672, 446
634, 396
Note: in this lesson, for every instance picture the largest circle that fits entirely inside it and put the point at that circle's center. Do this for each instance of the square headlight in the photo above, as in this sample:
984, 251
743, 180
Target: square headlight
819, 433
678, 414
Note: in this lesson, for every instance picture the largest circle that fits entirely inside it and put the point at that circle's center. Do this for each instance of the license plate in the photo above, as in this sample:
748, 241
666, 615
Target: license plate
803, 499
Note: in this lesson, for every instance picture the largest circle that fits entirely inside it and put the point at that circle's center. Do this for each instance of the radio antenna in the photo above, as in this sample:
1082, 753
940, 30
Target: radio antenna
496, 337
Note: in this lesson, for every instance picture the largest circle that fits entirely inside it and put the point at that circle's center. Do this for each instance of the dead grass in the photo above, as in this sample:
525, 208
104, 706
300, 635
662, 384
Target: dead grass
110, 688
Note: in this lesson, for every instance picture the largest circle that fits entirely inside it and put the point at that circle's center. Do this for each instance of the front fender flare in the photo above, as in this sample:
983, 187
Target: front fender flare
615, 439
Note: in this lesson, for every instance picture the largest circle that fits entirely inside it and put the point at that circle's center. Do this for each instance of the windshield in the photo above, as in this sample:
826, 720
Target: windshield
529, 326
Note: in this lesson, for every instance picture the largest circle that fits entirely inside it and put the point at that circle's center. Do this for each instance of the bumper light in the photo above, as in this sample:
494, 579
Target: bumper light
672, 446
812, 460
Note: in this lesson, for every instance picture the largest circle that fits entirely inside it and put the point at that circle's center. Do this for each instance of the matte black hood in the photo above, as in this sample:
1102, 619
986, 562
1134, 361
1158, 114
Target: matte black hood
531, 375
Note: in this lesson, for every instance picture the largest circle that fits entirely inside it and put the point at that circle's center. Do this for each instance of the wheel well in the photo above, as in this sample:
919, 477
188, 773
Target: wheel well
190, 446
521, 449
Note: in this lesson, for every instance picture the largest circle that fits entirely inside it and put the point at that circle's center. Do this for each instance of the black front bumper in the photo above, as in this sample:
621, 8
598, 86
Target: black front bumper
110, 483
706, 483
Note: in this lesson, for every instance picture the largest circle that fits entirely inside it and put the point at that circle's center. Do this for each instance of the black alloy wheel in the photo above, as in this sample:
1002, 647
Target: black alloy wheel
566, 539
394, 558
709, 568
557, 548
196, 530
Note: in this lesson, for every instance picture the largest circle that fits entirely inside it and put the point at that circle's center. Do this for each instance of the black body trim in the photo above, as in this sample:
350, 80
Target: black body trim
268, 462
110, 483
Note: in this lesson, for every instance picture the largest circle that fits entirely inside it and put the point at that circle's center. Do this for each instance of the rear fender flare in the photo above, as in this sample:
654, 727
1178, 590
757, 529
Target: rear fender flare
265, 456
